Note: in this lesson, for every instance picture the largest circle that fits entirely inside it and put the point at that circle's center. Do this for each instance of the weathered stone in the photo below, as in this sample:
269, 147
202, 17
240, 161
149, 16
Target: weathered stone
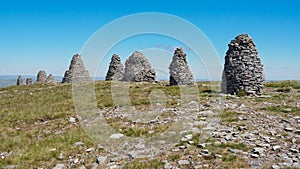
138, 69
180, 73
243, 70
19, 80
50, 79
116, 69
76, 72
41, 77
117, 136
28, 81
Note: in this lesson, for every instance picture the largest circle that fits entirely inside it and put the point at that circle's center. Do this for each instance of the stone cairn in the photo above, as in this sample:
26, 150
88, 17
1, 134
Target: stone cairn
19, 80
180, 73
50, 79
28, 81
76, 72
41, 77
116, 69
138, 69
243, 70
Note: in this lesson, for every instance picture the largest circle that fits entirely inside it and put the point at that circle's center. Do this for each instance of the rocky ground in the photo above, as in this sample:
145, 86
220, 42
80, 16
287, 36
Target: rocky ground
216, 131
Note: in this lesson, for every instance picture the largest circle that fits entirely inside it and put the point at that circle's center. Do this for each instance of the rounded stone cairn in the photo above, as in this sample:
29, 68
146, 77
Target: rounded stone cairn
180, 73
76, 72
243, 70
115, 70
138, 69
19, 80
41, 77
50, 79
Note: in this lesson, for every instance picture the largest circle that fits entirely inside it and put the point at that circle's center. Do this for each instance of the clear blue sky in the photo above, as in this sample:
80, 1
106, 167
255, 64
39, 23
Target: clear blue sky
45, 34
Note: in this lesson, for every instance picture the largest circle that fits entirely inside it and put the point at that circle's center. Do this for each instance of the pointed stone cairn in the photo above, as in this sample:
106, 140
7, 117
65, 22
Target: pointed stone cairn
50, 79
180, 73
138, 69
243, 70
19, 80
41, 77
116, 69
76, 72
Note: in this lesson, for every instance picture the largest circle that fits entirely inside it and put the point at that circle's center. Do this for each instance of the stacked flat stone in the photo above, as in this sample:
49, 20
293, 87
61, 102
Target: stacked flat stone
19, 80
180, 73
41, 77
138, 69
116, 69
28, 81
243, 69
76, 72
50, 79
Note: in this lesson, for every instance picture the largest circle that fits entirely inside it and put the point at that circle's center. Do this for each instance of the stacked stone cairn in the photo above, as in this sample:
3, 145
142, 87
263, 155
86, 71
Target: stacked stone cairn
19, 80
28, 81
50, 79
243, 70
116, 69
180, 73
41, 77
76, 72
138, 69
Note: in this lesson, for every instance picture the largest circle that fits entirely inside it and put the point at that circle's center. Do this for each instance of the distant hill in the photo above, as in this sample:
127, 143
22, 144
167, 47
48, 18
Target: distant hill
9, 80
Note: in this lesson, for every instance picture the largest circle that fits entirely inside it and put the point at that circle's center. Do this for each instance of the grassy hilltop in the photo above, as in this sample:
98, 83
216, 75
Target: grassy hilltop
38, 129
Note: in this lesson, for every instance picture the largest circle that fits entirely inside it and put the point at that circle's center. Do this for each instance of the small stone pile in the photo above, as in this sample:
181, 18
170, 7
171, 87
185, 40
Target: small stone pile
28, 81
180, 73
76, 72
138, 69
41, 77
243, 70
116, 69
19, 80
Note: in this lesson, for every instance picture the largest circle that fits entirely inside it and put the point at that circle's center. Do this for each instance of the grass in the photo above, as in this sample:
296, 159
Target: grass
284, 84
153, 164
229, 117
35, 119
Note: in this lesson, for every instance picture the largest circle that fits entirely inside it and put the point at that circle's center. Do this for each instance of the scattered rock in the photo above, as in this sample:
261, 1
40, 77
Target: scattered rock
89, 150
288, 129
243, 69
76, 72
201, 145
274, 148
101, 160
116, 69
79, 144
116, 136
138, 69
235, 151
59, 166
183, 162
180, 73
254, 155
72, 120
275, 166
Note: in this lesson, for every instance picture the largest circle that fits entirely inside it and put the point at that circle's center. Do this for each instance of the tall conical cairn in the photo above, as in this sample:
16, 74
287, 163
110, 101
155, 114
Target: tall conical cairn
180, 73
138, 69
243, 70
76, 72
116, 69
